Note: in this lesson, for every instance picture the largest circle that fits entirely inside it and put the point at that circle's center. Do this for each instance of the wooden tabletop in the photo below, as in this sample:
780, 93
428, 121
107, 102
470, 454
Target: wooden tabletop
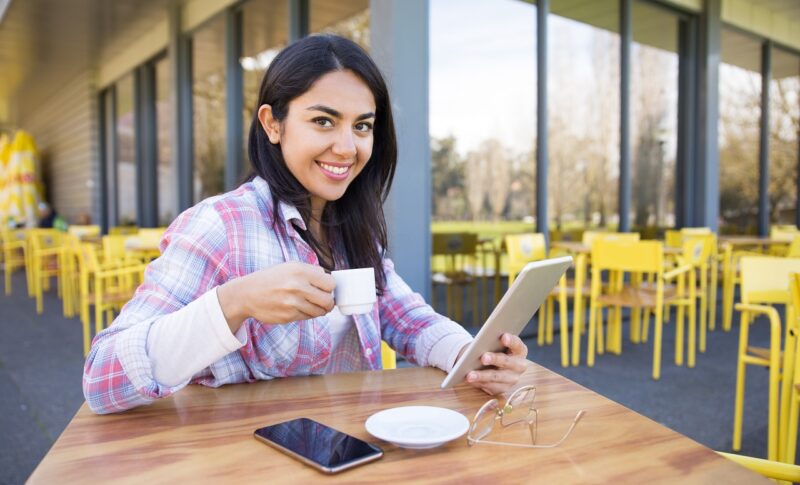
203, 434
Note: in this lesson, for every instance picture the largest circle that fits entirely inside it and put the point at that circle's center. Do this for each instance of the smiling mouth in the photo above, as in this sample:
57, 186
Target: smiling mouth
336, 170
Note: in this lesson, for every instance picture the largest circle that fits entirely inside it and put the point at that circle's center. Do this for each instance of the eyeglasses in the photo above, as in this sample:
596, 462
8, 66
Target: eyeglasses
518, 408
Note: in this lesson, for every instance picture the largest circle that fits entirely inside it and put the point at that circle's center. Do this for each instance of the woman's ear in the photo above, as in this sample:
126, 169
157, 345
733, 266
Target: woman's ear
271, 126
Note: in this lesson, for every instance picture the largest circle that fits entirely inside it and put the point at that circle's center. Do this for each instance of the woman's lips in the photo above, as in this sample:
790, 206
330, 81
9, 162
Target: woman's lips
334, 171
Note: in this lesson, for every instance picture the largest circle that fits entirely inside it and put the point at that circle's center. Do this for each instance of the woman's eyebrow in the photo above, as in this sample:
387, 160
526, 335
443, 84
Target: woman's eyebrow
336, 114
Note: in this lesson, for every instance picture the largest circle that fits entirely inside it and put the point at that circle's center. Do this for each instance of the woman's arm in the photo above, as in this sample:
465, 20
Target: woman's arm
118, 374
414, 329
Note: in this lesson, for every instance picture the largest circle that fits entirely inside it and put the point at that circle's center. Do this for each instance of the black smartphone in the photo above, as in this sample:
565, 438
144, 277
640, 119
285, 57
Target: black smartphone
320, 446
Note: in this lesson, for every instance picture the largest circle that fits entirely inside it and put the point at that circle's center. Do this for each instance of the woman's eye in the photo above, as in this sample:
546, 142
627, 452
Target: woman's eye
324, 122
364, 127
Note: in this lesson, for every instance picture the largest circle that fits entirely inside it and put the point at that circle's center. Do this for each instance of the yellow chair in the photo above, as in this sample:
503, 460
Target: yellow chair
106, 286
637, 259
522, 249
388, 357
698, 252
14, 254
790, 380
454, 261
768, 468
731, 277
764, 282
45, 247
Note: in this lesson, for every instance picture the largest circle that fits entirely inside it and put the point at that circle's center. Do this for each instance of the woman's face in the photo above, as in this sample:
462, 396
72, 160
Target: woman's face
326, 137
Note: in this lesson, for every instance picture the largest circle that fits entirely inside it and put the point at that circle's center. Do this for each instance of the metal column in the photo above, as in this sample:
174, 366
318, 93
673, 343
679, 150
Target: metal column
542, 10
626, 38
234, 159
763, 148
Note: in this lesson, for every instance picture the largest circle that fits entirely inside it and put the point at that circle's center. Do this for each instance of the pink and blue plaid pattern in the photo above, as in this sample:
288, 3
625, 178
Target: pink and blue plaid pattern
229, 236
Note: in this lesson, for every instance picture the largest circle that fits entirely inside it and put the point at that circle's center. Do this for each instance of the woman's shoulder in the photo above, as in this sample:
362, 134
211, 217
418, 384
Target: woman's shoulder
251, 199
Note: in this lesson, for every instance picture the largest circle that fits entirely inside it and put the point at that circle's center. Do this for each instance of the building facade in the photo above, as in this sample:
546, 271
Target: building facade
556, 113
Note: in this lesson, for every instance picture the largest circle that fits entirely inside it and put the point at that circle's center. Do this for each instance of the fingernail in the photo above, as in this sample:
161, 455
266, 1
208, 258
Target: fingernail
471, 377
487, 359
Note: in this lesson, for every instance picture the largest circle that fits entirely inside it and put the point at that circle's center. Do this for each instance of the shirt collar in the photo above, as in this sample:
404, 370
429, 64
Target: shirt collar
290, 216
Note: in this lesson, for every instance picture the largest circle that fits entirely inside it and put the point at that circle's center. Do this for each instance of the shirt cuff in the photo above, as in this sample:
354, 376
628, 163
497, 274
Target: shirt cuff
444, 352
439, 344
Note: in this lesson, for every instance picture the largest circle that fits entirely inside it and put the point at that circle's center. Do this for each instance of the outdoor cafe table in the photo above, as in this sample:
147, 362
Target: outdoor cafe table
206, 435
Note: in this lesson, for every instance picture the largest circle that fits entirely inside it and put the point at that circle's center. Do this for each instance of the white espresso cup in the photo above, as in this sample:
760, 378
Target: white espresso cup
355, 290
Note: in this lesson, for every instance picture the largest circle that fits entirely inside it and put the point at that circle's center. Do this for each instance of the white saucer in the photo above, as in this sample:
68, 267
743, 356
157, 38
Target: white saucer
417, 427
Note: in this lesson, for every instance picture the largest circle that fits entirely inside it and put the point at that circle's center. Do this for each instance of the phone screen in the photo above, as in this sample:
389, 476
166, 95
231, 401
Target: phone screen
332, 450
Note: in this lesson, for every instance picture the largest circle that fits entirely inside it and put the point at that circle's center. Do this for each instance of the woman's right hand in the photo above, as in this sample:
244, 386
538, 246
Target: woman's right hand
283, 293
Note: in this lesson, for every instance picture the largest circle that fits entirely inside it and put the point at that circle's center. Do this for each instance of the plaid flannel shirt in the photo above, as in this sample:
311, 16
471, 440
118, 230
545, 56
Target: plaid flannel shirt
226, 237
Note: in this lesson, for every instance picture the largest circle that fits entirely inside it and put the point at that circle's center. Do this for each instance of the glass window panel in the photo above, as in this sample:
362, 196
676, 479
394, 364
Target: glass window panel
167, 186
348, 18
483, 114
739, 127
126, 153
784, 127
265, 25
654, 117
583, 110
208, 95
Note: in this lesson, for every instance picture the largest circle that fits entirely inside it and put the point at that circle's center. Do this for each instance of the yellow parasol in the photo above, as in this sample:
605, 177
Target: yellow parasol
5, 152
24, 191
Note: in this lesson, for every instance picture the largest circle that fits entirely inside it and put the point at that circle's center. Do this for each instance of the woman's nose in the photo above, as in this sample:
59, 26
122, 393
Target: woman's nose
345, 145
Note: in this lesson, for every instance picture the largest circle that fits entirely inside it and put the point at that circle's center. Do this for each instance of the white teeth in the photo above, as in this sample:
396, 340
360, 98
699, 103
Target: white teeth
332, 169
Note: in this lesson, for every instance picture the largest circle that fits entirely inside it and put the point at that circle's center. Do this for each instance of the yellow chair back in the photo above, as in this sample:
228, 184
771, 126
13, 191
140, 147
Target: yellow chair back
454, 243
628, 256
698, 249
765, 279
673, 238
114, 247
524, 248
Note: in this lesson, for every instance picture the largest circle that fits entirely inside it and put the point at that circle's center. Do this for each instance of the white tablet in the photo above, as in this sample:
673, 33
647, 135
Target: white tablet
514, 311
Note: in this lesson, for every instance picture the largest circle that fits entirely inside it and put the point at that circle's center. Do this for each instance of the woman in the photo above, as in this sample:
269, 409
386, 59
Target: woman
241, 292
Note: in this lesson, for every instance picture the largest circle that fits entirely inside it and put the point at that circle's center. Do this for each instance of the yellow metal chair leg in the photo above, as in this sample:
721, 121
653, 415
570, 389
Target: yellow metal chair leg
657, 331
741, 369
786, 394
550, 312
540, 335
679, 325
592, 332
712, 297
692, 350
577, 324
601, 347
563, 325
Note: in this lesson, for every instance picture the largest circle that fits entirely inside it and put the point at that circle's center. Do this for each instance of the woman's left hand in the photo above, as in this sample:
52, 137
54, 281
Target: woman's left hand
508, 367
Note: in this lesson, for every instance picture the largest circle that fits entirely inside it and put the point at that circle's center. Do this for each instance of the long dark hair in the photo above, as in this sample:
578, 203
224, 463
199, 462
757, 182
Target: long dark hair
358, 214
